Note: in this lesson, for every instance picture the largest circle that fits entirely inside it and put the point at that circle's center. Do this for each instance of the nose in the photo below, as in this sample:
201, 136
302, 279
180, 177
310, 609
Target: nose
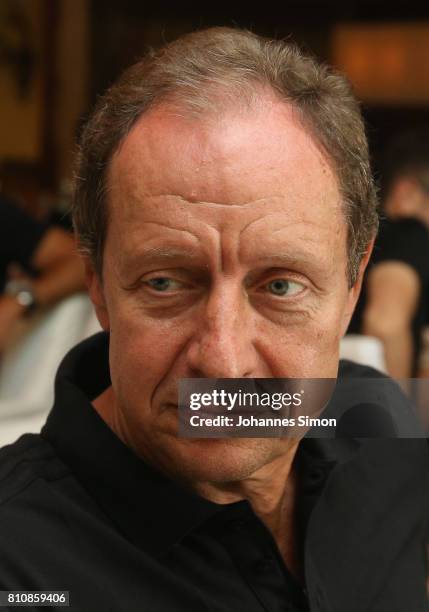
222, 345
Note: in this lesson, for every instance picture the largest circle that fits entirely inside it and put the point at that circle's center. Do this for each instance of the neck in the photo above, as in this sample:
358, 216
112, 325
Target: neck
272, 493
271, 490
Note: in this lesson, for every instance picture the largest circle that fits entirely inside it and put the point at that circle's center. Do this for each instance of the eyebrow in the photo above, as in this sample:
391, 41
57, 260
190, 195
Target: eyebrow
285, 258
160, 254
288, 259
307, 263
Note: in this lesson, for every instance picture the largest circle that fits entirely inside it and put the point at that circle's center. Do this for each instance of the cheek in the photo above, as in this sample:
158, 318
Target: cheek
309, 349
142, 350
326, 336
308, 355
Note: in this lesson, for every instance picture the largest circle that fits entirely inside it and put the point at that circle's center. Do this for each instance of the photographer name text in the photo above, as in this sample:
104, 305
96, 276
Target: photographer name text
253, 421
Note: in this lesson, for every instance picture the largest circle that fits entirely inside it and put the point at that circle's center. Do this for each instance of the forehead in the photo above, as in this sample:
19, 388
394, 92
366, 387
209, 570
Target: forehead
227, 171
266, 144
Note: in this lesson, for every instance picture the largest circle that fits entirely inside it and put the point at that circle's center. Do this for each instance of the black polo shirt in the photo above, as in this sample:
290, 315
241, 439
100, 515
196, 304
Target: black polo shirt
80, 512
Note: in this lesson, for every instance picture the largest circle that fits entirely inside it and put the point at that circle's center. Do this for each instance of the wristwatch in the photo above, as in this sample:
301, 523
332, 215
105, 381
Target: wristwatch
22, 291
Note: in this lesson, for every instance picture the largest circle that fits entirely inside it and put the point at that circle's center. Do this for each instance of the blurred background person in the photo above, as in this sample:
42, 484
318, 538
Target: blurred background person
39, 266
394, 303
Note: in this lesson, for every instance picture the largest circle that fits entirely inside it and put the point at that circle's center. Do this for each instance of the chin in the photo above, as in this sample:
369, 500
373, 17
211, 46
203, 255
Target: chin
217, 460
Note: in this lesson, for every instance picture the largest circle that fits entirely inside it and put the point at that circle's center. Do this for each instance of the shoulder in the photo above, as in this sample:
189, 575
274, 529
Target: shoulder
31, 480
24, 461
370, 404
405, 241
10, 212
351, 369
43, 509
13, 222
402, 228
27, 469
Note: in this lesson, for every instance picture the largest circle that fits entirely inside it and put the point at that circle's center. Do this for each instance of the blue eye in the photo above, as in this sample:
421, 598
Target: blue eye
160, 284
281, 287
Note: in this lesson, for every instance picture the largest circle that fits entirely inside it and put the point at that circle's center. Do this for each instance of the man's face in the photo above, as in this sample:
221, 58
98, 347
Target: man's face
225, 257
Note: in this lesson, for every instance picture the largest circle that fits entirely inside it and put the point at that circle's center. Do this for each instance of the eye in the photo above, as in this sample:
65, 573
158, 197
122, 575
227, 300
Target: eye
282, 287
162, 283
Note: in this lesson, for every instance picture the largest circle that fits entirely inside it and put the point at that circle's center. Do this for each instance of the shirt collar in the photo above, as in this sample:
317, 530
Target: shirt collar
138, 499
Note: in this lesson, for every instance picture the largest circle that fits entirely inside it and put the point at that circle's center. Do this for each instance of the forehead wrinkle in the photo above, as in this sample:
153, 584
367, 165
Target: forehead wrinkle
296, 250
195, 201
166, 251
286, 227
301, 222
169, 227
169, 253
164, 226
139, 231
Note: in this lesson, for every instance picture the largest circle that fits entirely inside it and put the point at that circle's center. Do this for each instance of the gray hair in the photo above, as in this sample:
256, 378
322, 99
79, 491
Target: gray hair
205, 70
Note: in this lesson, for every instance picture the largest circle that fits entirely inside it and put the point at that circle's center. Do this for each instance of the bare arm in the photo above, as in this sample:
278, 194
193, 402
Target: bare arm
393, 290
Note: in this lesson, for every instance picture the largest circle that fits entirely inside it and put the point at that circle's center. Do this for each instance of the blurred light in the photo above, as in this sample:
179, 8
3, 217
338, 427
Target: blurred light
387, 63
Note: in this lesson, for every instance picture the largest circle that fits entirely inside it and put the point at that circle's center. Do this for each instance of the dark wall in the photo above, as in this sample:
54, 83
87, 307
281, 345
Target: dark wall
123, 31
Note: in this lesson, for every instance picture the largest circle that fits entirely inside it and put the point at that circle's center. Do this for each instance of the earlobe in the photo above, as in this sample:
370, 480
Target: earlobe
96, 294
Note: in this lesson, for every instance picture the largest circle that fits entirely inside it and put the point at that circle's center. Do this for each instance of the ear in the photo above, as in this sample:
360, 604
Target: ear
354, 291
96, 294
